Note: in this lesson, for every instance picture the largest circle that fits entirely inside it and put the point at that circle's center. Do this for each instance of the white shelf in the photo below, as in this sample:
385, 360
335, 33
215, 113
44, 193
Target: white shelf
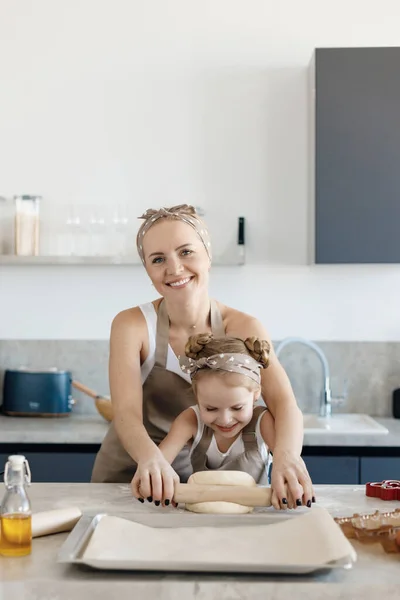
12, 260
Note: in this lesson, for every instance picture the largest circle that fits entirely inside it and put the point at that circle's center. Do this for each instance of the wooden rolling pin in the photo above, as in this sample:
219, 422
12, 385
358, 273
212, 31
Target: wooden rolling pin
190, 493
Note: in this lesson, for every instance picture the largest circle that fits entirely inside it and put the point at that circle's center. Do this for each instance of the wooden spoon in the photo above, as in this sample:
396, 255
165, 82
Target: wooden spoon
103, 403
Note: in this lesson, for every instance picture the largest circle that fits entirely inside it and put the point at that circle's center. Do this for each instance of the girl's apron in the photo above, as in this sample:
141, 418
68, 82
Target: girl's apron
249, 461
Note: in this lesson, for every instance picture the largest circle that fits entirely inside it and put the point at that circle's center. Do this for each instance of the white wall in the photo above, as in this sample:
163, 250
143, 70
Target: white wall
158, 102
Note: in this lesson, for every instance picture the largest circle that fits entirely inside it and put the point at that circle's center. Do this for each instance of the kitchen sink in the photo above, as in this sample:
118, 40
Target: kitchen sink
352, 423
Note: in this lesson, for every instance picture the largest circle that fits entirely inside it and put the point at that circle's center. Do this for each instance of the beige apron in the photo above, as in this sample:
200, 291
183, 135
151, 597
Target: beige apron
165, 396
249, 461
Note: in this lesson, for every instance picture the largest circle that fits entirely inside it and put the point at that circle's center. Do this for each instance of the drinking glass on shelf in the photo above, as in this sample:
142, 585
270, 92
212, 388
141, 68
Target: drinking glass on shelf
119, 231
97, 232
71, 232
73, 224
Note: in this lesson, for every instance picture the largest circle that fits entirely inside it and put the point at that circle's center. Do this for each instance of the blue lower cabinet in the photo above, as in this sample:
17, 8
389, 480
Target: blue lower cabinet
3, 460
340, 470
60, 467
56, 467
76, 467
376, 468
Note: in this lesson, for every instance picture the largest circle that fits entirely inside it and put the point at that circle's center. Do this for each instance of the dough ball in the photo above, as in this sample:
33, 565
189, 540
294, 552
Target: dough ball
219, 508
220, 478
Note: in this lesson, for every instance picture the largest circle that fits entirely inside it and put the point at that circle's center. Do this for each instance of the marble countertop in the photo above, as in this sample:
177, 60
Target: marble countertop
91, 429
73, 429
39, 576
391, 439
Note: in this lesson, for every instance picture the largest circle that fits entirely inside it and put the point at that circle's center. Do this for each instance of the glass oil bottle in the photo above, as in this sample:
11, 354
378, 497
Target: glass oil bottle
15, 510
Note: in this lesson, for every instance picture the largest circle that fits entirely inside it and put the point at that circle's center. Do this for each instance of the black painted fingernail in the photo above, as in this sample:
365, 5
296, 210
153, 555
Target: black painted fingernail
284, 501
298, 502
166, 502
141, 500
157, 502
313, 499
150, 499
309, 503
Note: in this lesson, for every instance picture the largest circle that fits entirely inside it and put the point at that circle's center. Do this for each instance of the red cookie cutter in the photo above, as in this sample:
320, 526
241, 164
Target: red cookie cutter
385, 490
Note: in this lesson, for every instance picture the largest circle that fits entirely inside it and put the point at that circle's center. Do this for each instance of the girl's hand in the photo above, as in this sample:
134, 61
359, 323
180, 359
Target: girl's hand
154, 480
291, 484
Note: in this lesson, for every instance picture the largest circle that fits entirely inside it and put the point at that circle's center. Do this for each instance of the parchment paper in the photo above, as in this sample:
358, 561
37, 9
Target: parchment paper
309, 539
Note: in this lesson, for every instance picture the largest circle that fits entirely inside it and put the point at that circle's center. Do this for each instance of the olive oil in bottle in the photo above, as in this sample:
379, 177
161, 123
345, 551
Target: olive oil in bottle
15, 510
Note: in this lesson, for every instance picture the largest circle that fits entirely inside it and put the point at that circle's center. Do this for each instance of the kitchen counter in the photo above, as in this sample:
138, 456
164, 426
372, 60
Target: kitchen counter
91, 429
388, 440
38, 576
73, 429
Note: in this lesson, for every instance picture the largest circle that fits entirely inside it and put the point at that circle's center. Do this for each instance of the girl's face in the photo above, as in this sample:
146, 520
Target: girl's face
224, 406
175, 259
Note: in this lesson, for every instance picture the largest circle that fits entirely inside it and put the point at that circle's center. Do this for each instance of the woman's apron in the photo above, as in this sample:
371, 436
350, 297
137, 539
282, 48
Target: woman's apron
165, 396
249, 461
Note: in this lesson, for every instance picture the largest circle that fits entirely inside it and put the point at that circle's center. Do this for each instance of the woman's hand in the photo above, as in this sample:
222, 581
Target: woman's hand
154, 480
291, 484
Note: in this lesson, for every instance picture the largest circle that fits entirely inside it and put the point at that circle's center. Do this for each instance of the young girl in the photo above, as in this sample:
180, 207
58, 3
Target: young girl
225, 430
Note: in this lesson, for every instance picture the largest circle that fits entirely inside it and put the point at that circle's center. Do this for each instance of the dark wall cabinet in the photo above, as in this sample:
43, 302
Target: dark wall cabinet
357, 155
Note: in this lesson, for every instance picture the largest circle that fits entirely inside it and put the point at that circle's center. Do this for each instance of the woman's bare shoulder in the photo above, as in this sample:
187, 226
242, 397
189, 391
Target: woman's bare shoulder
241, 324
131, 317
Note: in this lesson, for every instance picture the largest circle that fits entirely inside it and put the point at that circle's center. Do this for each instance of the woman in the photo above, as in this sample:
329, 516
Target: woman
149, 389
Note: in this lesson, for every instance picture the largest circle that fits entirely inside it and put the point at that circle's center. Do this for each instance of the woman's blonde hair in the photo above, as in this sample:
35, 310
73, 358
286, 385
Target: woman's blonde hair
204, 345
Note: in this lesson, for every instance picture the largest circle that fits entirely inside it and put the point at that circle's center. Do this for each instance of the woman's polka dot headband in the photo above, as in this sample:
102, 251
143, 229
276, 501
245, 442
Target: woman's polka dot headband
182, 212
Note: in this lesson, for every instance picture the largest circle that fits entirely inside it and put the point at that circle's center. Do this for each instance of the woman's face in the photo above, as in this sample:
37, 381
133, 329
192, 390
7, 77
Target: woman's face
175, 259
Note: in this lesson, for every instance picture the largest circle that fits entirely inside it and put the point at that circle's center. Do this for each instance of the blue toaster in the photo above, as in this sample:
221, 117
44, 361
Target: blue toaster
44, 393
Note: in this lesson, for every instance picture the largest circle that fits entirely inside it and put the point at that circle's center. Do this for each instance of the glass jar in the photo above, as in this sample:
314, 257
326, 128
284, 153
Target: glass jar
15, 510
27, 225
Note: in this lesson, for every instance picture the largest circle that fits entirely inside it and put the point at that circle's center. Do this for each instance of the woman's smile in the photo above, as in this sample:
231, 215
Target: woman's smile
180, 283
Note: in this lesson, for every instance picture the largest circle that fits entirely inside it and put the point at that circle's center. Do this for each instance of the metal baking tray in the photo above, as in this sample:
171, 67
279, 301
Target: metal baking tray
73, 549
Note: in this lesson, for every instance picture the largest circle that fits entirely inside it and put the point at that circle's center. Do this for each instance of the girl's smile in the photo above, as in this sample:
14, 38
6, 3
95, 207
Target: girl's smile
226, 429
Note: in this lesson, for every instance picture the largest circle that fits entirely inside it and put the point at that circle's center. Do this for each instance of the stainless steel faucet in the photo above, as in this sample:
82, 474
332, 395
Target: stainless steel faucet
326, 395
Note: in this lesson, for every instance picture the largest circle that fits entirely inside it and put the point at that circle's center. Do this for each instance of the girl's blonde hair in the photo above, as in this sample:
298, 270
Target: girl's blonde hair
204, 345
